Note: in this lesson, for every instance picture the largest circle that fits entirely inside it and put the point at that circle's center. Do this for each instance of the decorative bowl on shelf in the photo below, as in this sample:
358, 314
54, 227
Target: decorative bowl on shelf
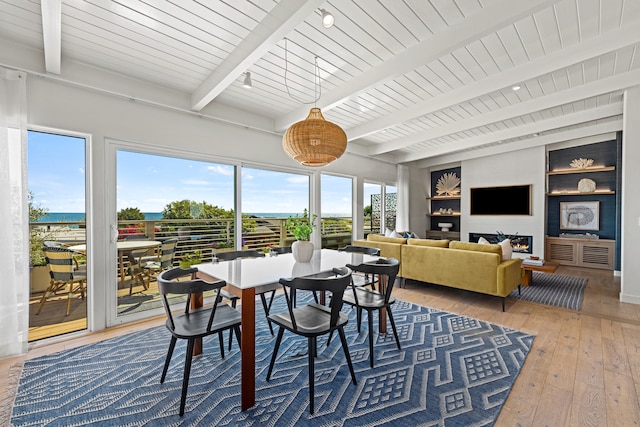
445, 226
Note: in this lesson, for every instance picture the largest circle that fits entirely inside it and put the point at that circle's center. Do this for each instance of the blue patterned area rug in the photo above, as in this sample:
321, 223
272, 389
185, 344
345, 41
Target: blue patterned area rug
553, 289
451, 371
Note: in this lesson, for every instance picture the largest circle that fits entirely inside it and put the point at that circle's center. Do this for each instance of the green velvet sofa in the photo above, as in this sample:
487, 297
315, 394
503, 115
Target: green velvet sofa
469, 266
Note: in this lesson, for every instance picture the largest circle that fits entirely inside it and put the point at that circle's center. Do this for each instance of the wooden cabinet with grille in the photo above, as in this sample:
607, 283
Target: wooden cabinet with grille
593, 253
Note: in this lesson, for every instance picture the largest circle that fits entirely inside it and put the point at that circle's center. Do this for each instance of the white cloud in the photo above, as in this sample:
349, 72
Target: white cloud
222, 170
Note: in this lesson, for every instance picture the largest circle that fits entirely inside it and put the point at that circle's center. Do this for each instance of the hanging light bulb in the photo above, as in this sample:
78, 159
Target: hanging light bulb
247, 81
327, 19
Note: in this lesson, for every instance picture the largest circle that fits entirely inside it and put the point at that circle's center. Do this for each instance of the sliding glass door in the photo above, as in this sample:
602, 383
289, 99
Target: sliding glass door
170, 210
57, 223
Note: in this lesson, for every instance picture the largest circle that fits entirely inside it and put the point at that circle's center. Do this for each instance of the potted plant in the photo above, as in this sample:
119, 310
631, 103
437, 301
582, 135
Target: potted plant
301, 228
190, 259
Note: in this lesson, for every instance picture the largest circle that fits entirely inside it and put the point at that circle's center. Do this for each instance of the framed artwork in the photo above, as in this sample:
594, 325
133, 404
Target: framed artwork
579, 215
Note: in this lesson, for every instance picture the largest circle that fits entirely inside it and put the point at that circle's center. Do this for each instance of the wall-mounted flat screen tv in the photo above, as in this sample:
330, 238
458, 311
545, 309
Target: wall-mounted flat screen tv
509, 200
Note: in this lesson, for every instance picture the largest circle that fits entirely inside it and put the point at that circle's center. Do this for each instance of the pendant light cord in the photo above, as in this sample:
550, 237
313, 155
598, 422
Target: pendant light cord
317, 86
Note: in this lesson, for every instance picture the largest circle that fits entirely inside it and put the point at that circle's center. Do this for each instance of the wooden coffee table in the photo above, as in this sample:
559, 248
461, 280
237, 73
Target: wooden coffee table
547, 267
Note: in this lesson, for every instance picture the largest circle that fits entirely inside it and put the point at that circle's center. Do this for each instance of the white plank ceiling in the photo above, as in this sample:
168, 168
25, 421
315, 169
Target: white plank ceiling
408, 80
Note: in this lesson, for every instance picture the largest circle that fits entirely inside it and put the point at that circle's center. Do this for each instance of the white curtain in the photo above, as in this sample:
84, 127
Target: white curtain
402, 208
14, 221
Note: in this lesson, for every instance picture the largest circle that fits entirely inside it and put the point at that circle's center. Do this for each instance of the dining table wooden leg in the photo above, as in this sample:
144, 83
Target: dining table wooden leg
382, 313
197, 301
248, 351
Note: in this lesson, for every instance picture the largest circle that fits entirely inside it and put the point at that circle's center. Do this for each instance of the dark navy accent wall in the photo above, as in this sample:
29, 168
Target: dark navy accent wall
605, 154
445, 204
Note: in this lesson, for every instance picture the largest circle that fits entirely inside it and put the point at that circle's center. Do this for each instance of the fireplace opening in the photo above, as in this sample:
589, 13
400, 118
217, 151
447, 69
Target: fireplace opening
519, 244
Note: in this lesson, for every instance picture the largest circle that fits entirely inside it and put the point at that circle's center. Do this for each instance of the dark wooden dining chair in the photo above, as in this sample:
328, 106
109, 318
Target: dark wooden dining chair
193, 323
279, 250
386, 271
362, 279
313, 320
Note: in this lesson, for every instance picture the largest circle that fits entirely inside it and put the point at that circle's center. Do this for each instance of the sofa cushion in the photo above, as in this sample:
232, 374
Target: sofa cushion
380, 238
507, 250
429, 242
468, 246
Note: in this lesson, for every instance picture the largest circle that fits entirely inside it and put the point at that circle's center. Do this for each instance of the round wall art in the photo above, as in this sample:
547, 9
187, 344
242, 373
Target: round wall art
579, 215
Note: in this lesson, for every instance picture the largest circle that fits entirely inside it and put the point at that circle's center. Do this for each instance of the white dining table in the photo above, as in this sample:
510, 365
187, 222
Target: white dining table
244, 276
125, 248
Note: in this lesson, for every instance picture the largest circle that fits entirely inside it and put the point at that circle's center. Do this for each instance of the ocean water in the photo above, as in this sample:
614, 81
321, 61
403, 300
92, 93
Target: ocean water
80, 216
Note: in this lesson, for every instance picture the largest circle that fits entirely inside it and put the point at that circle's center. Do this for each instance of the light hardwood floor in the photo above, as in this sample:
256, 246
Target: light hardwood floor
583, 368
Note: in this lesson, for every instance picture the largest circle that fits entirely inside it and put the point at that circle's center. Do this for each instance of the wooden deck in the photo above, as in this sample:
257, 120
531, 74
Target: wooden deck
583, 369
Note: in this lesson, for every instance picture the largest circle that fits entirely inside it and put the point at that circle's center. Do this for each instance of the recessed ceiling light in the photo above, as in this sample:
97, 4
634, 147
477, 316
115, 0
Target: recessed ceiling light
515, 87
536, 134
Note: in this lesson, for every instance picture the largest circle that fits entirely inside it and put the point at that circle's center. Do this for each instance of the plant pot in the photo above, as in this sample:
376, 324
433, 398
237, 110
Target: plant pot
39, 278
302, 250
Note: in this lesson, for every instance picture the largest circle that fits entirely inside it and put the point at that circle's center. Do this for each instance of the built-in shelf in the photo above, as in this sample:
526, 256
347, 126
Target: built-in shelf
587, 170
437, 234
577, 193
444, 198
439, 214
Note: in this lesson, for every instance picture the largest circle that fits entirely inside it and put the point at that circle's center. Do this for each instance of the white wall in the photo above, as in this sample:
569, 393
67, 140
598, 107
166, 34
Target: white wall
630, 262
513, 168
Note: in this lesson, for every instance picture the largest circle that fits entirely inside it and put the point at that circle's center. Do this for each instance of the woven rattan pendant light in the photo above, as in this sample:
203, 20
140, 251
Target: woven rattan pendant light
314, 141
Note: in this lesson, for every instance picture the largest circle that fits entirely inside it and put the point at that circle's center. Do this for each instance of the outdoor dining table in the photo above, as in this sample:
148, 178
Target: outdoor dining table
125, 248
245, 276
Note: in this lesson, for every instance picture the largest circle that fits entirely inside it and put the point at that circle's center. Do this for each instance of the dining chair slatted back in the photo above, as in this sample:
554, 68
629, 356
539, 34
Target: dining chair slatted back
359, 278
386, 272
193, 323
279, 250
313, 320
63, 271
231, 255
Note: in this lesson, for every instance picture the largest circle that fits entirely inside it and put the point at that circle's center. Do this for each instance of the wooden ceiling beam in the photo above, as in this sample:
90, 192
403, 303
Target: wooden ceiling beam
565, 97
563, 59
284, 17
517, 132
493, 17
52, 34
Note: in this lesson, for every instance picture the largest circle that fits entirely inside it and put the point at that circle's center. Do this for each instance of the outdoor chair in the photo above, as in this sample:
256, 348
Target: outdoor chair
151, 266
64, 271
360, 279
314, 320
196, 323
370, 300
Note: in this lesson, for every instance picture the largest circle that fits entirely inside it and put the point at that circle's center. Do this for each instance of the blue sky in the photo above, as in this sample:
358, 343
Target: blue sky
56, 176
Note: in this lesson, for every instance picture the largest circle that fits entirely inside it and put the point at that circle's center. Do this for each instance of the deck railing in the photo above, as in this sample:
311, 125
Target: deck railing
206, 235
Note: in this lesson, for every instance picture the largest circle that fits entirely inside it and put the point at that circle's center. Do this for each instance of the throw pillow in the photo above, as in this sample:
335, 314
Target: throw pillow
483, 241
388, 232
507, 250
395, 234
